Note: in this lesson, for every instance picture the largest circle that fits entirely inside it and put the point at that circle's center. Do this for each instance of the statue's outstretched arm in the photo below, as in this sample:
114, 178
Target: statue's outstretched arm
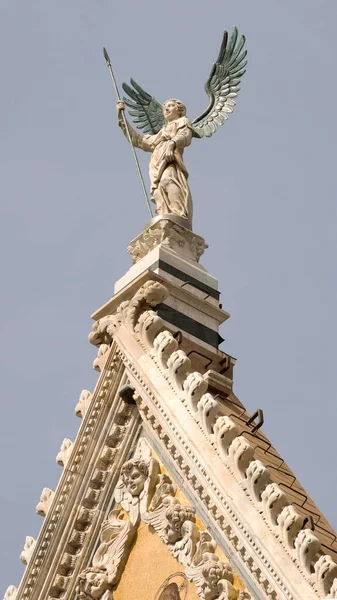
138, 140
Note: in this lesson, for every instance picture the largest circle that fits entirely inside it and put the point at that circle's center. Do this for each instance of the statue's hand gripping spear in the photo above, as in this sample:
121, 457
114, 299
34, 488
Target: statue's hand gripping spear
107, 58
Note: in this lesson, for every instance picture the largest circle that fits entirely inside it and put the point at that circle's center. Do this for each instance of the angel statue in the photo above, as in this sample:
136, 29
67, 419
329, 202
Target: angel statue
168, 130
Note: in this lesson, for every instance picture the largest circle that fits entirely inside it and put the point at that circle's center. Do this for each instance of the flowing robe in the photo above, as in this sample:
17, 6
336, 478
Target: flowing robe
169, 188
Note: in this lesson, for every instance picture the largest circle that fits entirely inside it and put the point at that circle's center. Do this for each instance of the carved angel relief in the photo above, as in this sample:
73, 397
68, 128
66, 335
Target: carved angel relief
148, 495
137, 482
96, 582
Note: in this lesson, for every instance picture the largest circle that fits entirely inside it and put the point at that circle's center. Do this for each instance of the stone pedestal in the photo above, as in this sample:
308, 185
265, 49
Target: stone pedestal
168, 251
171, 232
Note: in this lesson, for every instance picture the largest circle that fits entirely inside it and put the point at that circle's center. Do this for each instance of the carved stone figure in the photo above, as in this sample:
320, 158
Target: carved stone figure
137, 482
92, 584
28, 550
205, 545
213, 578
181, 533
162, 499
96, 582
46, 499
168, 130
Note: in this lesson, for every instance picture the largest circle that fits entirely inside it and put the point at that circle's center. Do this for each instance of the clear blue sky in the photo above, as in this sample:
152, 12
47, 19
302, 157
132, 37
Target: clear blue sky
264, 190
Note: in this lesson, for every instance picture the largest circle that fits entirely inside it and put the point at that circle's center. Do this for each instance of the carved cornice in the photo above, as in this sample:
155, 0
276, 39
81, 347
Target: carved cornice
203, 445
167, 233
236, 454
72, 522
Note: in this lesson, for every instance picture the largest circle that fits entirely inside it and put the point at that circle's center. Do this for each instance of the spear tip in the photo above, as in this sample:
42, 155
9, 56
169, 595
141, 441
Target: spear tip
106, 56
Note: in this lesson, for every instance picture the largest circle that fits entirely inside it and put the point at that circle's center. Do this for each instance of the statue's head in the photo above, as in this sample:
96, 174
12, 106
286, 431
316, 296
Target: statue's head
92, 583
177, 514
173, 109
215, 570
134, 473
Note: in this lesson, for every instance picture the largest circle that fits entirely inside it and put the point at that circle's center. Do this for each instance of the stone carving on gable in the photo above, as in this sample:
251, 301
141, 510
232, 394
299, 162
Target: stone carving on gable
46, 499
290, 523
10, 593
65, 452
235, 451
149, 295
181, 532
175, 524
325, 574
28, 550
306, 548
258, 478
137, 482
83, 403
163, 498
100, 360
97, 582
212, 577
148, 495
172, 235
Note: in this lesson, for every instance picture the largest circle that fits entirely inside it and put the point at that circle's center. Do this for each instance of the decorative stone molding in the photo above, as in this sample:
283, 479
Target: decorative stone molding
28, 550
150, 294
83, 403
306, 548
10, 593
46, 499
167, 233
218, 433
100, 360
325, 574
92, 470
290, 523
65, 452
96, 579
258, 478
235, 451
